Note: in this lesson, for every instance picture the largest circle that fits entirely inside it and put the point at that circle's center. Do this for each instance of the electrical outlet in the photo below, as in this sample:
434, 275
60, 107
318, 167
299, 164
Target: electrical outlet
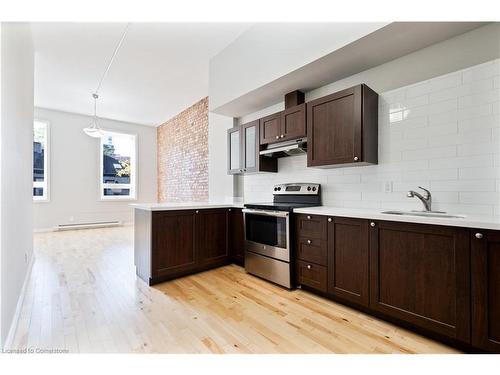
388, 187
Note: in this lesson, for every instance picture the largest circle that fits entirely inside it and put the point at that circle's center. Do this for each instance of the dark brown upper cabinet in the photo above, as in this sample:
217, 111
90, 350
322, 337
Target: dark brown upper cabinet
420, 274
244, 151
284, 125
270, 128
485, 284
342, 128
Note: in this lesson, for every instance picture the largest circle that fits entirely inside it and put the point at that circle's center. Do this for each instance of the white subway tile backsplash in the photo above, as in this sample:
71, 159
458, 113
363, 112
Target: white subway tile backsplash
463, 185
482, 71
435, 84
430, 153
441, 134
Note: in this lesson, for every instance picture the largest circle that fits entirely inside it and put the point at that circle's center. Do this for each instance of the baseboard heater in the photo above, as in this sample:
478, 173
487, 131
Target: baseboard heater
100, 224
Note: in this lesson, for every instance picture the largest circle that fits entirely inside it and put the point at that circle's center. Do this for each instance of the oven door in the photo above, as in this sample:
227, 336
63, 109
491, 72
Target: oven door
268, 233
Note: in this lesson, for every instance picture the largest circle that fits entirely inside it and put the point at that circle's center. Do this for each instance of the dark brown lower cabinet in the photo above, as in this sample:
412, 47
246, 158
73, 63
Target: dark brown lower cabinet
211, 236
348, 259
181, 243
312, 275
173, 243
420, 275
236, 236
485, 280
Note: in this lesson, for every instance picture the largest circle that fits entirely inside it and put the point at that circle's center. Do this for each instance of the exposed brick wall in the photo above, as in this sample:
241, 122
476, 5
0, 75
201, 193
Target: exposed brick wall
183, 155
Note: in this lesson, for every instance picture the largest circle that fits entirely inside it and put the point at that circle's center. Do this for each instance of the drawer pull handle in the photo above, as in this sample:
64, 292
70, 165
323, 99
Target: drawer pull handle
372, 224
479, 236
308, 217
309, 266
277, 137
196, 212
309, 242
356, 158
330, 219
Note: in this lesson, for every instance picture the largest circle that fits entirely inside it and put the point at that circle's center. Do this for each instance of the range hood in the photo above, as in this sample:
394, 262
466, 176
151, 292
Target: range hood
287, 148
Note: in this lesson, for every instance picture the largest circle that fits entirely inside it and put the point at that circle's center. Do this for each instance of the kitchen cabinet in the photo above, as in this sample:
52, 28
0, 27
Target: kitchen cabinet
270, 129
234, 138
211, 236
173, 243
348, 259
420, 274
244, 151
236, 236
485, 284
312, 275
181, 242
283, 126
342, 128
311, 226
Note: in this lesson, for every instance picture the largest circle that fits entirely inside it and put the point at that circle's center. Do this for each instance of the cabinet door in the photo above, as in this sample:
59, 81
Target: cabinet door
236, 235
211, 236
348, 259
420, 274
173, 248
293, 122
311, 226
250, 151
270, 129
234, 165
485, 278
334, 128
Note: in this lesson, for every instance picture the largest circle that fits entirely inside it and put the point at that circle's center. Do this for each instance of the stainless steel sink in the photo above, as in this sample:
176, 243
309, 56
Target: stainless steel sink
425, 214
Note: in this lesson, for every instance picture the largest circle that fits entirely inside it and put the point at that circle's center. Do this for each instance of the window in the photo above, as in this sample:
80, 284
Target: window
118, 166
40, 161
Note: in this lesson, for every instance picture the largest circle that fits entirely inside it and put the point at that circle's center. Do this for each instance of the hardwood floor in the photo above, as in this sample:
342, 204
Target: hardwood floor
83, 295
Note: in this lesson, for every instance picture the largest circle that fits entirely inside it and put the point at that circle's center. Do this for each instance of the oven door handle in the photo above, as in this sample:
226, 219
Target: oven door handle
266, 213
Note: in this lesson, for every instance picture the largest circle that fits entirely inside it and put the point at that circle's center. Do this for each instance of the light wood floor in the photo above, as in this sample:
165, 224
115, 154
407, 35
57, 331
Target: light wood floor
83, 295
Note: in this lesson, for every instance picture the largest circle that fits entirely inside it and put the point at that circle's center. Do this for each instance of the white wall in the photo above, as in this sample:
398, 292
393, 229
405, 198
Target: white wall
74, 172
442, 134
16, 152
220, 184
267, 51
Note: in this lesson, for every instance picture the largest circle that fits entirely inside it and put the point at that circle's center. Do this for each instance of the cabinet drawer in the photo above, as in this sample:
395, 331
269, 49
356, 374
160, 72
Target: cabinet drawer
311, 226
311, 275
312, 250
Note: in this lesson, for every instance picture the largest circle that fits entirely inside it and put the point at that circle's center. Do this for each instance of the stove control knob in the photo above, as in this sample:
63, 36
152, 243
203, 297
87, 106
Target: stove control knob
279, 188
275, 189
308, 188
314, 188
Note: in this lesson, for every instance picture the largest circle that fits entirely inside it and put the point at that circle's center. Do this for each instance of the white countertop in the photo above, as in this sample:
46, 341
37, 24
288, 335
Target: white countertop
222, 203
469, 221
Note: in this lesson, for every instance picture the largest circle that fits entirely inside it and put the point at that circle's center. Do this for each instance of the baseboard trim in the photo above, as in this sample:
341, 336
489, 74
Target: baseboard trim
17, 314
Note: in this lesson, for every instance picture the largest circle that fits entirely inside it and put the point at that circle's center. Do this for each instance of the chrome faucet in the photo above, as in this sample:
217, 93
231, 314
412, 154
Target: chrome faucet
426, 199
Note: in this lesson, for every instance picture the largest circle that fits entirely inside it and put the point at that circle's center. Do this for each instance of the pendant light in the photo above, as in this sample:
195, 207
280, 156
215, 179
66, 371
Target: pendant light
93, 130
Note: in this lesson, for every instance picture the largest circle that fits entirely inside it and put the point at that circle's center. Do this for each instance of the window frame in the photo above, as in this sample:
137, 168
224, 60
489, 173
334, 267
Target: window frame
46, 165
133, 171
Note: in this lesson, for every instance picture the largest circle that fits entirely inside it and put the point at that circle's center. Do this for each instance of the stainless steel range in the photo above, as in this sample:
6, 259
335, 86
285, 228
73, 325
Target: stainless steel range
269, 230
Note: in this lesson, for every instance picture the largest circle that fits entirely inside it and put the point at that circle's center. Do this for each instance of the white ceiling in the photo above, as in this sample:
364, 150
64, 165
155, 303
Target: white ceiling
160, 70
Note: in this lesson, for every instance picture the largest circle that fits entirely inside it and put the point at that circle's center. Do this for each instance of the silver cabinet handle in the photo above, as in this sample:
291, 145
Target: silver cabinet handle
277, 137
372, 224
282, 135
355, 158
309, 266
479, 236
197, 212
330, 219
309, 242
308, 217
229, 210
